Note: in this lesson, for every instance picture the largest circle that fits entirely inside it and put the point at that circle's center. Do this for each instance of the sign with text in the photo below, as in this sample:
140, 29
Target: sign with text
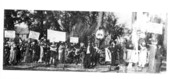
155, 28
149, 27
10, 34
34, 35
56, 36
74, 39
100, 34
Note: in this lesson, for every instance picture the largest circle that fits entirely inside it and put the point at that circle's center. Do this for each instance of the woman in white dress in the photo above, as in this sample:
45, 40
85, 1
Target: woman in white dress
12, 53
60, 53
41, 52
142, 55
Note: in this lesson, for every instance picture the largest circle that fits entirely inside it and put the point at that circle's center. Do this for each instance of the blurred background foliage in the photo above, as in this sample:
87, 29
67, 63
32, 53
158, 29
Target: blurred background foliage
75, 23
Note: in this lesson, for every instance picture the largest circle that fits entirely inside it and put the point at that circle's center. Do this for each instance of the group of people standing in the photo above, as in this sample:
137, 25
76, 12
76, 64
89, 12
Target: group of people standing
32, 51
90, 55
51, 53
149, 55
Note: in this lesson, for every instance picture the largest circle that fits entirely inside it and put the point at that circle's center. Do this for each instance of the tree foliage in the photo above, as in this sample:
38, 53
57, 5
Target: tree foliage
75, 23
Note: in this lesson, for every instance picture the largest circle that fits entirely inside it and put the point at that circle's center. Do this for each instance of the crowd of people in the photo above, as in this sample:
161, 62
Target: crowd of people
90, 55
53, 53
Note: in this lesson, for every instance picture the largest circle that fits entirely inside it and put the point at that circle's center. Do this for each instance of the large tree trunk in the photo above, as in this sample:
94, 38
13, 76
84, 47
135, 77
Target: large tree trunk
99, 20
83, 30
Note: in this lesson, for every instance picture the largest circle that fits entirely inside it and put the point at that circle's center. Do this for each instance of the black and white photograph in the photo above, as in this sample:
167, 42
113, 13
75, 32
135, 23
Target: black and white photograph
85, 41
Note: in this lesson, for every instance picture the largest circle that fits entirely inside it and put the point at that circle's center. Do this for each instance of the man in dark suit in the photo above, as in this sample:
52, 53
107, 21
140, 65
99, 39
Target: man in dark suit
113, 50
159, 58
6, 54
87, 59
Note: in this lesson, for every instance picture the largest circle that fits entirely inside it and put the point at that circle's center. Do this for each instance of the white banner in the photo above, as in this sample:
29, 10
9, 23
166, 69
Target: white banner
74, 39
56, 36
149, 27
155, 28
34, 35
10, 34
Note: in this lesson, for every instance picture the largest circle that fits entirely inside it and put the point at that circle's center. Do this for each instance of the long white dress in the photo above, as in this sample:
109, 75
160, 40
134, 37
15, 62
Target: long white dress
12, 54
143, 56
107, 55
60, 51
41, 54
132, 56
